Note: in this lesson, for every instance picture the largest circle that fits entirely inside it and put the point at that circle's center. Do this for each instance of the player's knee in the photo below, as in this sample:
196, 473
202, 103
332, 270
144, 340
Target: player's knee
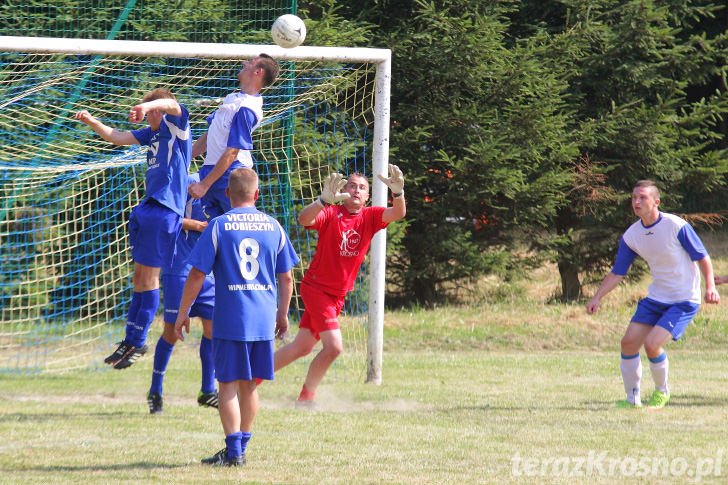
302, 349
334, 349
168, 334
653, 348
629, 345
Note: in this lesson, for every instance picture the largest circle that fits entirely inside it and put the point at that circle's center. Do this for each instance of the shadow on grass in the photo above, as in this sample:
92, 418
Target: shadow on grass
142, 465
40, 417
681, 401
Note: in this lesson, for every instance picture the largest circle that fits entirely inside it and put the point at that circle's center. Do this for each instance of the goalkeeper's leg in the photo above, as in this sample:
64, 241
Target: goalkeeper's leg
332, 348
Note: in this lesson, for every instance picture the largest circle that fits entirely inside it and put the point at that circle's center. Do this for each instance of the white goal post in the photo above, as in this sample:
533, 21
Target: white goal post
381, 58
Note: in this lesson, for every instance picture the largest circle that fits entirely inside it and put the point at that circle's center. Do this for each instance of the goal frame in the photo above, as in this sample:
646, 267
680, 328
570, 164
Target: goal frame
380, 58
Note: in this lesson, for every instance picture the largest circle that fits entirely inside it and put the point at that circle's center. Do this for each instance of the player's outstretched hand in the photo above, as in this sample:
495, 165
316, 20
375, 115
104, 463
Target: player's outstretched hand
719, 280
395, 182
136, 114
331, 192
84, 116
183, 322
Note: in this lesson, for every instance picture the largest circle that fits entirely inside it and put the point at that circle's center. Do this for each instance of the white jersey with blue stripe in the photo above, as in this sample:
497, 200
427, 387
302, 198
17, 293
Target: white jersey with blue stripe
671, 248
232, 125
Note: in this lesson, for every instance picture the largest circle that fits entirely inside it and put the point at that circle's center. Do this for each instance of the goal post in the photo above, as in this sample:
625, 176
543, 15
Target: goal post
44, 80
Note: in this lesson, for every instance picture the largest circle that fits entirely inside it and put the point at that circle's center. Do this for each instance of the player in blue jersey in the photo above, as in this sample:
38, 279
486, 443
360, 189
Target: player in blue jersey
156, 222
173, 280
228, 141
246, 250
676, 257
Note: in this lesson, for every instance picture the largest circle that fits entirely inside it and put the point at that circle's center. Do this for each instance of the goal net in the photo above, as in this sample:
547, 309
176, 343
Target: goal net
66, 194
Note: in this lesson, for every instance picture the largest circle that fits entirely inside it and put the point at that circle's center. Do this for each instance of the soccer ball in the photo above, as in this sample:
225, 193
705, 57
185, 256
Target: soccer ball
288, 31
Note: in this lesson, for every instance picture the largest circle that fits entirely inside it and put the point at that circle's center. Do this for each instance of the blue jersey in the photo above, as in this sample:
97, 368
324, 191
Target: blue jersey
168, 159
245, 249
186, 241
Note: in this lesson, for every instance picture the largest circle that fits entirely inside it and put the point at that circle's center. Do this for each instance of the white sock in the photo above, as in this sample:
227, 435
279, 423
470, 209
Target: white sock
659, 372
631, 367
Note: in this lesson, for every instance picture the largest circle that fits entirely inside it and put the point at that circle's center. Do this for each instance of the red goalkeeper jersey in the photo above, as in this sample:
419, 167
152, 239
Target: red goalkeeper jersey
343, 243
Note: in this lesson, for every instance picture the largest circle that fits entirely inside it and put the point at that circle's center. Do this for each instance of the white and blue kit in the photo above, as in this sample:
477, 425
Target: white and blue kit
231, 125
175, 275
671, 248
155, 223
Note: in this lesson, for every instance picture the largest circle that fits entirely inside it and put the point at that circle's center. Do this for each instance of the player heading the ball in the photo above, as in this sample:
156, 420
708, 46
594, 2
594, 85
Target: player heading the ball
228, 142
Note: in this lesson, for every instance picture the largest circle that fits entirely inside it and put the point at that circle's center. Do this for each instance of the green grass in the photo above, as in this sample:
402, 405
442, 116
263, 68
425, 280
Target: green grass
468, 393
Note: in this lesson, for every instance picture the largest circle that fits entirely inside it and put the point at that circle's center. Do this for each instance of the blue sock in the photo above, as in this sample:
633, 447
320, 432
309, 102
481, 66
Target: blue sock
145, 316
136, 301
208, 366
162, 353
232, 441
244, 441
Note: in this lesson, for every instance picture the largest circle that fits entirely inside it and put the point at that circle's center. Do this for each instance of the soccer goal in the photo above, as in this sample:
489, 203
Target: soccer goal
66, 194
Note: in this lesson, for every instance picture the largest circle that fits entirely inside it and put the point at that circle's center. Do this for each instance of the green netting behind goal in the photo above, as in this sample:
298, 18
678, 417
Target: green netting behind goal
230, 21
65, 194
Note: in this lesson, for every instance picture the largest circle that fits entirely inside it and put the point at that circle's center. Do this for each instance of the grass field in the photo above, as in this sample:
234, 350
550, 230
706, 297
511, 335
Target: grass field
519, 391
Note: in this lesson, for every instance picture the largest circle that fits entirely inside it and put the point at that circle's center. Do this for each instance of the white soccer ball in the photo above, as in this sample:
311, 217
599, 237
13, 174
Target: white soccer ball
288, 31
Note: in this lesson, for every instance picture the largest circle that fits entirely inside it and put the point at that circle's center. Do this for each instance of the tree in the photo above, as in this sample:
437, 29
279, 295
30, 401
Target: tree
479, 126
635, 119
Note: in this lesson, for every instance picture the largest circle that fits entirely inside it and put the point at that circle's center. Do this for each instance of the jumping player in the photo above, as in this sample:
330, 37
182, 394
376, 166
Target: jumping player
156, 222
228, 141
674, 253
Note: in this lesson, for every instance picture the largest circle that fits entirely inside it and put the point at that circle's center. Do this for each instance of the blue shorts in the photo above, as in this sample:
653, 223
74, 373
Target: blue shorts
673, 317
203, 305
242, 361
215, 202
153, 231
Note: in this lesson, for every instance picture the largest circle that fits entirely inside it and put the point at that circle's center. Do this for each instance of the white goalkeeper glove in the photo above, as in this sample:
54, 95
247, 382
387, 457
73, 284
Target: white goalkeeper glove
331, 192
395, 182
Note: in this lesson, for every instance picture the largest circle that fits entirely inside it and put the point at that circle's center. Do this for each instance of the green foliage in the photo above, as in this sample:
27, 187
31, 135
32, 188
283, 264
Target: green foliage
529, 122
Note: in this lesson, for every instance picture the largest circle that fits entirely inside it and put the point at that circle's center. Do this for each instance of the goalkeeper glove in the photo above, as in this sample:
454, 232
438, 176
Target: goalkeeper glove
395, 182
331, 192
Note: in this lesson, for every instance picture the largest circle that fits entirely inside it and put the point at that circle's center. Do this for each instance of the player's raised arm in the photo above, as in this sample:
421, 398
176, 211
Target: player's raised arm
108, 133
167, 105
395, 182
330, 194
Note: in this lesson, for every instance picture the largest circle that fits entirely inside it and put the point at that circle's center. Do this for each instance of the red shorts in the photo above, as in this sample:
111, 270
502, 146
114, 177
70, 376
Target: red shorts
321, 310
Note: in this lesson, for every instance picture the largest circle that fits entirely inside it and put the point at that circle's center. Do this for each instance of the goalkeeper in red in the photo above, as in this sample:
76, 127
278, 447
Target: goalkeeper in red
345, 232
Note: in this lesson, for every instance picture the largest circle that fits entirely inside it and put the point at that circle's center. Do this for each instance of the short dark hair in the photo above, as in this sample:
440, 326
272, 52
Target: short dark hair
270, 68
159, 93
648, 184
243, 183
